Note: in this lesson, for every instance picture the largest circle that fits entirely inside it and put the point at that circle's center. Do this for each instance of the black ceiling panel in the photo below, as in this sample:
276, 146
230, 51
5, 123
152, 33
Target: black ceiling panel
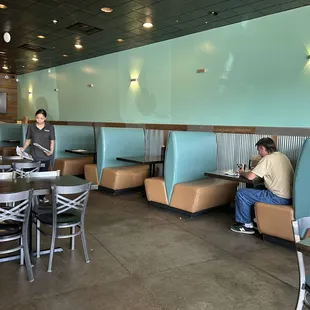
27, 19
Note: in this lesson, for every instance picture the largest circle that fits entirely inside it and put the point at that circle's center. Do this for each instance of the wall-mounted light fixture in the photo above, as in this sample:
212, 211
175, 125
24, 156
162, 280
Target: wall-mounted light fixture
308, 57
90, 85
29, 92
134, 80
201, 70
56, 89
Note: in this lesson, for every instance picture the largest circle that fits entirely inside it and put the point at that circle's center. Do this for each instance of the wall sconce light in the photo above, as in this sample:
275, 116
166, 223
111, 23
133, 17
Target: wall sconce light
308, 57
134, 80
56, 89
90, 85
201, 70
30, 92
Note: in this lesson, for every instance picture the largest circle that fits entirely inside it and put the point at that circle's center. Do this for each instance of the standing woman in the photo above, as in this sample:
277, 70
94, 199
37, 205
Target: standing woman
44, 134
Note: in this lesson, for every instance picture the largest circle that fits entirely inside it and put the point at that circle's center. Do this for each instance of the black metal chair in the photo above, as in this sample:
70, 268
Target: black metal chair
69, 206
14, 223
26, 169
300, 228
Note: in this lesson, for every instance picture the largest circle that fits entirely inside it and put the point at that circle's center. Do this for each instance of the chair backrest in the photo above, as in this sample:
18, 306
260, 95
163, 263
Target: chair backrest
21, 206
64, 202
11, 157
45, 174
29, 167
7, 175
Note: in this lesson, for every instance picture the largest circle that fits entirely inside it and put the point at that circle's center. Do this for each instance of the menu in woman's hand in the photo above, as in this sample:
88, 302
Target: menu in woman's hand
23, 154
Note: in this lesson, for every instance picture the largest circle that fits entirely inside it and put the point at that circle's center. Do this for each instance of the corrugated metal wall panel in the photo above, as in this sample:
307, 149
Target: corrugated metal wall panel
154, 139
233, 149
291, 146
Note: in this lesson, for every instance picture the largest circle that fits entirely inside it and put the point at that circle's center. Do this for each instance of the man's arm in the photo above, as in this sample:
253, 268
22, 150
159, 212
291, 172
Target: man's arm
247, 175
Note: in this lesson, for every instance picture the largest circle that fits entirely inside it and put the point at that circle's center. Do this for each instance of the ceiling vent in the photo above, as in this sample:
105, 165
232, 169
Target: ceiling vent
83, 28
32, 48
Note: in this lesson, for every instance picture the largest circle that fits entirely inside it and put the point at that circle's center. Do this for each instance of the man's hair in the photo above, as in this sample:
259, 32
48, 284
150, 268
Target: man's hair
268, 144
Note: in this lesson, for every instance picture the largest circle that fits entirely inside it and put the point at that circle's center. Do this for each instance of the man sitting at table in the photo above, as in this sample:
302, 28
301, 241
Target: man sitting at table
278, 174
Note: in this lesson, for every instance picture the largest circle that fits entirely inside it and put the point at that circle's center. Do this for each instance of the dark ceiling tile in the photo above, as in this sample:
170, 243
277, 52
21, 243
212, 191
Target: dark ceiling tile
171, 18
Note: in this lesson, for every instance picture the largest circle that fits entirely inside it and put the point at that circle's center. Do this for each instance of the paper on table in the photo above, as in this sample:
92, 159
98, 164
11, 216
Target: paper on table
232, 173
23, 154
41, 147
79, 150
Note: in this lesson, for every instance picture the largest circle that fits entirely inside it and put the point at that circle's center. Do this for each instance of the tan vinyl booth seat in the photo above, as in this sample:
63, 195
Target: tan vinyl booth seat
275, 220
124, 177
155, 190
91, 173
195, 196
72, 166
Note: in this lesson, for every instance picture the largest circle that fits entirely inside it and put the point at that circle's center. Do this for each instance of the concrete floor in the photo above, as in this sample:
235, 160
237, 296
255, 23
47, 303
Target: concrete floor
147, 258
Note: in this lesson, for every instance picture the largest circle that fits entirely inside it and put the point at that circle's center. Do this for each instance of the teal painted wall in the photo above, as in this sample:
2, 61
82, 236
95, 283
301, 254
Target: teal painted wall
41, 84
257, 74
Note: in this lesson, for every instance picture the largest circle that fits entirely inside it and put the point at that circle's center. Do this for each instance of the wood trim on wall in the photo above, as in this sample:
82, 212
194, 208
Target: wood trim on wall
274, 131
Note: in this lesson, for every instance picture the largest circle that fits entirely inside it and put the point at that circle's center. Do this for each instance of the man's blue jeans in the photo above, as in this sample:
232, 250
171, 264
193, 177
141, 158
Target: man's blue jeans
247, 197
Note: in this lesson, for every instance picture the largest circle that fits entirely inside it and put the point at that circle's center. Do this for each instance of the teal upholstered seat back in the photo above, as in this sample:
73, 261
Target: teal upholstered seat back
118, 142
9, 132
188, 156
23, 132
73, 137
301, 193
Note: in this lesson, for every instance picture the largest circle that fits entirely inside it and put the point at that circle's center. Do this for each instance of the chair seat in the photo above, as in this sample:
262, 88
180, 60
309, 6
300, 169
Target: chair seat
9, 230
65, 218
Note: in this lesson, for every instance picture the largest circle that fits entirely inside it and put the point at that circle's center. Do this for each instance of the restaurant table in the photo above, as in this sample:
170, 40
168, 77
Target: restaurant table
222, 175
144, 160
40, 186
84, 152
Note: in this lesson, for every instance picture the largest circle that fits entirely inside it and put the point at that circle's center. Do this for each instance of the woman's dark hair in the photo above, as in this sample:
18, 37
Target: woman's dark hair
268, 144
41, 111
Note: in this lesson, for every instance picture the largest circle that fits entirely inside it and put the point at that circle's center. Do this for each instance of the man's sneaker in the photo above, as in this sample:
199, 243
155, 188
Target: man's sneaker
241, 229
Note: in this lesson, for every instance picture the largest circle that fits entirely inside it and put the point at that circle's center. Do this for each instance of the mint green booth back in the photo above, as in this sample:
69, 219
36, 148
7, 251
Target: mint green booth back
118, 142
73, 137
9, 132
23, 132
188, 156
301, 194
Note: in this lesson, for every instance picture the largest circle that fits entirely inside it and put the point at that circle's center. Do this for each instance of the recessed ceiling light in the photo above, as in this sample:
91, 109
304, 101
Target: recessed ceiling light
65, 55
41, 37
78, 46
2, 53
34, 58
6, 37
5, 67
120, 40
213, 13
206, 22
147, 25
107, 10
23, 66
3, 6
176, 21
54, 21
